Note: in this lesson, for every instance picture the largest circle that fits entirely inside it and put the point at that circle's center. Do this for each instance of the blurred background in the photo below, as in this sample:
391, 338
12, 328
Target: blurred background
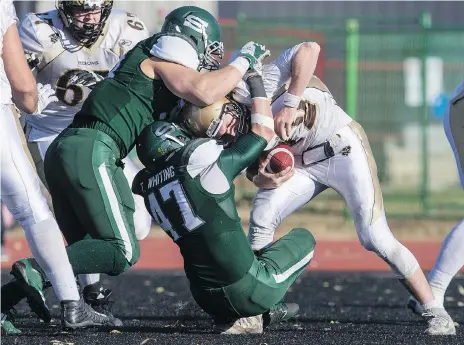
391, 65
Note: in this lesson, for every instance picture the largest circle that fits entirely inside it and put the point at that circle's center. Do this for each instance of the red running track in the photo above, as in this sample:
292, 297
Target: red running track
160, 253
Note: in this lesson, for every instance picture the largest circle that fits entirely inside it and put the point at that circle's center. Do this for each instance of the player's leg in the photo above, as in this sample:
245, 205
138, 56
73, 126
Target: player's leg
273, 272
20, 189
354, 177
38, 150
237, 308
271, 206
451, 257
82, 164
21, 193
142, 219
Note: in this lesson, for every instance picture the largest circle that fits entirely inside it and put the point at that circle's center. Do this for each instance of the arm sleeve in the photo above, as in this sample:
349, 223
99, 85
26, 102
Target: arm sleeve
242, 153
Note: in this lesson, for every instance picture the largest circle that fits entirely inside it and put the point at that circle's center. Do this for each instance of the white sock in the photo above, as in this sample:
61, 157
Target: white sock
88, 279
450, 260
47, 246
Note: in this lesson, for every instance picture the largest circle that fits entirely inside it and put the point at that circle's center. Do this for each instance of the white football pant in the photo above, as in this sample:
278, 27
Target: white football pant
20, 191
354, 177
451, 257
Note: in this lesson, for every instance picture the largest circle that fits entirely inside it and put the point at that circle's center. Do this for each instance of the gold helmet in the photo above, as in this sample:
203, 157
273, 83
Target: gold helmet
206, 121
87, 33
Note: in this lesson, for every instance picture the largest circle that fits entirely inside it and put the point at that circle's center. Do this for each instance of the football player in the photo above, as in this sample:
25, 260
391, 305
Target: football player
83, 166
331, 151
188, 188
451, 257
20, 188
73, 48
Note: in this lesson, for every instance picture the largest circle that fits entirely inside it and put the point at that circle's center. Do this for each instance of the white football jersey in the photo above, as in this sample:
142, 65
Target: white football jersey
321, 116
44, 35
7, 18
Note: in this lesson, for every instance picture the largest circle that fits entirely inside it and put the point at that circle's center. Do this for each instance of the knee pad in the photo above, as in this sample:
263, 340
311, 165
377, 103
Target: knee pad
379, 239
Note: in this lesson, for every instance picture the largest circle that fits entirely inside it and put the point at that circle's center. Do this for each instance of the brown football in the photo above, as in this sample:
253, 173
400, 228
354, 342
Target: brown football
281, 158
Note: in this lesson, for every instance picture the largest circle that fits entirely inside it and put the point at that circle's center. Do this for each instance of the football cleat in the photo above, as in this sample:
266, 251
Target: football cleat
280, 312
11, 294
32, 281
78, 314
440, 323
415, 306
99, 299
7, 326
244, 325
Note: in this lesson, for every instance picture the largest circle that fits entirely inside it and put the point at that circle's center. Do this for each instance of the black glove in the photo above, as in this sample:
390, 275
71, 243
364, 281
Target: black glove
84, 78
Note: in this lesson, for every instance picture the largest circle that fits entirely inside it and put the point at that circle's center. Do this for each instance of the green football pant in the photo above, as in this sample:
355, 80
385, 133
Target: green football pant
266, 282
92, 201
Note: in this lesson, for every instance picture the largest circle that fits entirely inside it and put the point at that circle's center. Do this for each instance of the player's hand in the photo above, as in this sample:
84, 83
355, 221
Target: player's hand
268, 180
46, 95
283, 121
255, 53
32, 60
84, 78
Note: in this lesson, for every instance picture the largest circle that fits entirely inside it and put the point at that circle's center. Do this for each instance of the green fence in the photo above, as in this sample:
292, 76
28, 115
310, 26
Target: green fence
375, 69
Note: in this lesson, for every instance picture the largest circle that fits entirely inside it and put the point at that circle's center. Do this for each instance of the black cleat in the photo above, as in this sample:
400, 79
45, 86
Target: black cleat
78, 314
11, 295
280, 312
99, 299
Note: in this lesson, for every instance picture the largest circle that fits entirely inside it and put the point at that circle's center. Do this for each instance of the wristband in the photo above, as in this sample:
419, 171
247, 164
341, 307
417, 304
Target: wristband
291, 101
242, 64
262, 120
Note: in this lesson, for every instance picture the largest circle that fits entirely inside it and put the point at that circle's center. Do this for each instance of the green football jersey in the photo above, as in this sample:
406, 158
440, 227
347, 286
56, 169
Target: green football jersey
192, 196
127, 100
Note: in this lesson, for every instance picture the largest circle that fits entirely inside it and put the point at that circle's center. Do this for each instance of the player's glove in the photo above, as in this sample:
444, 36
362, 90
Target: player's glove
46, 95
84, 78
255, 53
32, 60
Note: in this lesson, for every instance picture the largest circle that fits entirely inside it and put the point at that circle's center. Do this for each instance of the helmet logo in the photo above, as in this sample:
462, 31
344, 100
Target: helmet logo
195, 23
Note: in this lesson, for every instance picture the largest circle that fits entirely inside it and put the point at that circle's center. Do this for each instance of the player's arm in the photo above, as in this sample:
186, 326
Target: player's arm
23, 86
303, 64
247, 148
203, 89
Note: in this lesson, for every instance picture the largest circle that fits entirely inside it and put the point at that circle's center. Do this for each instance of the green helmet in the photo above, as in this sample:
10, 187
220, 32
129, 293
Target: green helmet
197, 25
159, 139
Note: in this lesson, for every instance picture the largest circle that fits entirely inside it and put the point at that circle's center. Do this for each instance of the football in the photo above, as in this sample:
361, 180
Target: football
281, 158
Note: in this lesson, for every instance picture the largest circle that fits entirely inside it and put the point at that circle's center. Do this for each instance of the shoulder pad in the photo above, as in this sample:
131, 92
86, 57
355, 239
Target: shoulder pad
125, 30
36, 32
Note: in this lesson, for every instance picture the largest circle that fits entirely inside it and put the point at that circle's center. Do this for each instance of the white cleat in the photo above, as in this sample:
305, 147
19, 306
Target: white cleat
244, 325
440, 323
415, 306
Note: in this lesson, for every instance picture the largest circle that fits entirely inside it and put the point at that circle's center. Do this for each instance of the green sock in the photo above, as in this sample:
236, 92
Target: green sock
96, 256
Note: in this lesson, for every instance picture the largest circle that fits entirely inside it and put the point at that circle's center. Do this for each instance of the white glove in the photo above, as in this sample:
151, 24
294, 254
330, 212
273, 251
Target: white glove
46, 95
